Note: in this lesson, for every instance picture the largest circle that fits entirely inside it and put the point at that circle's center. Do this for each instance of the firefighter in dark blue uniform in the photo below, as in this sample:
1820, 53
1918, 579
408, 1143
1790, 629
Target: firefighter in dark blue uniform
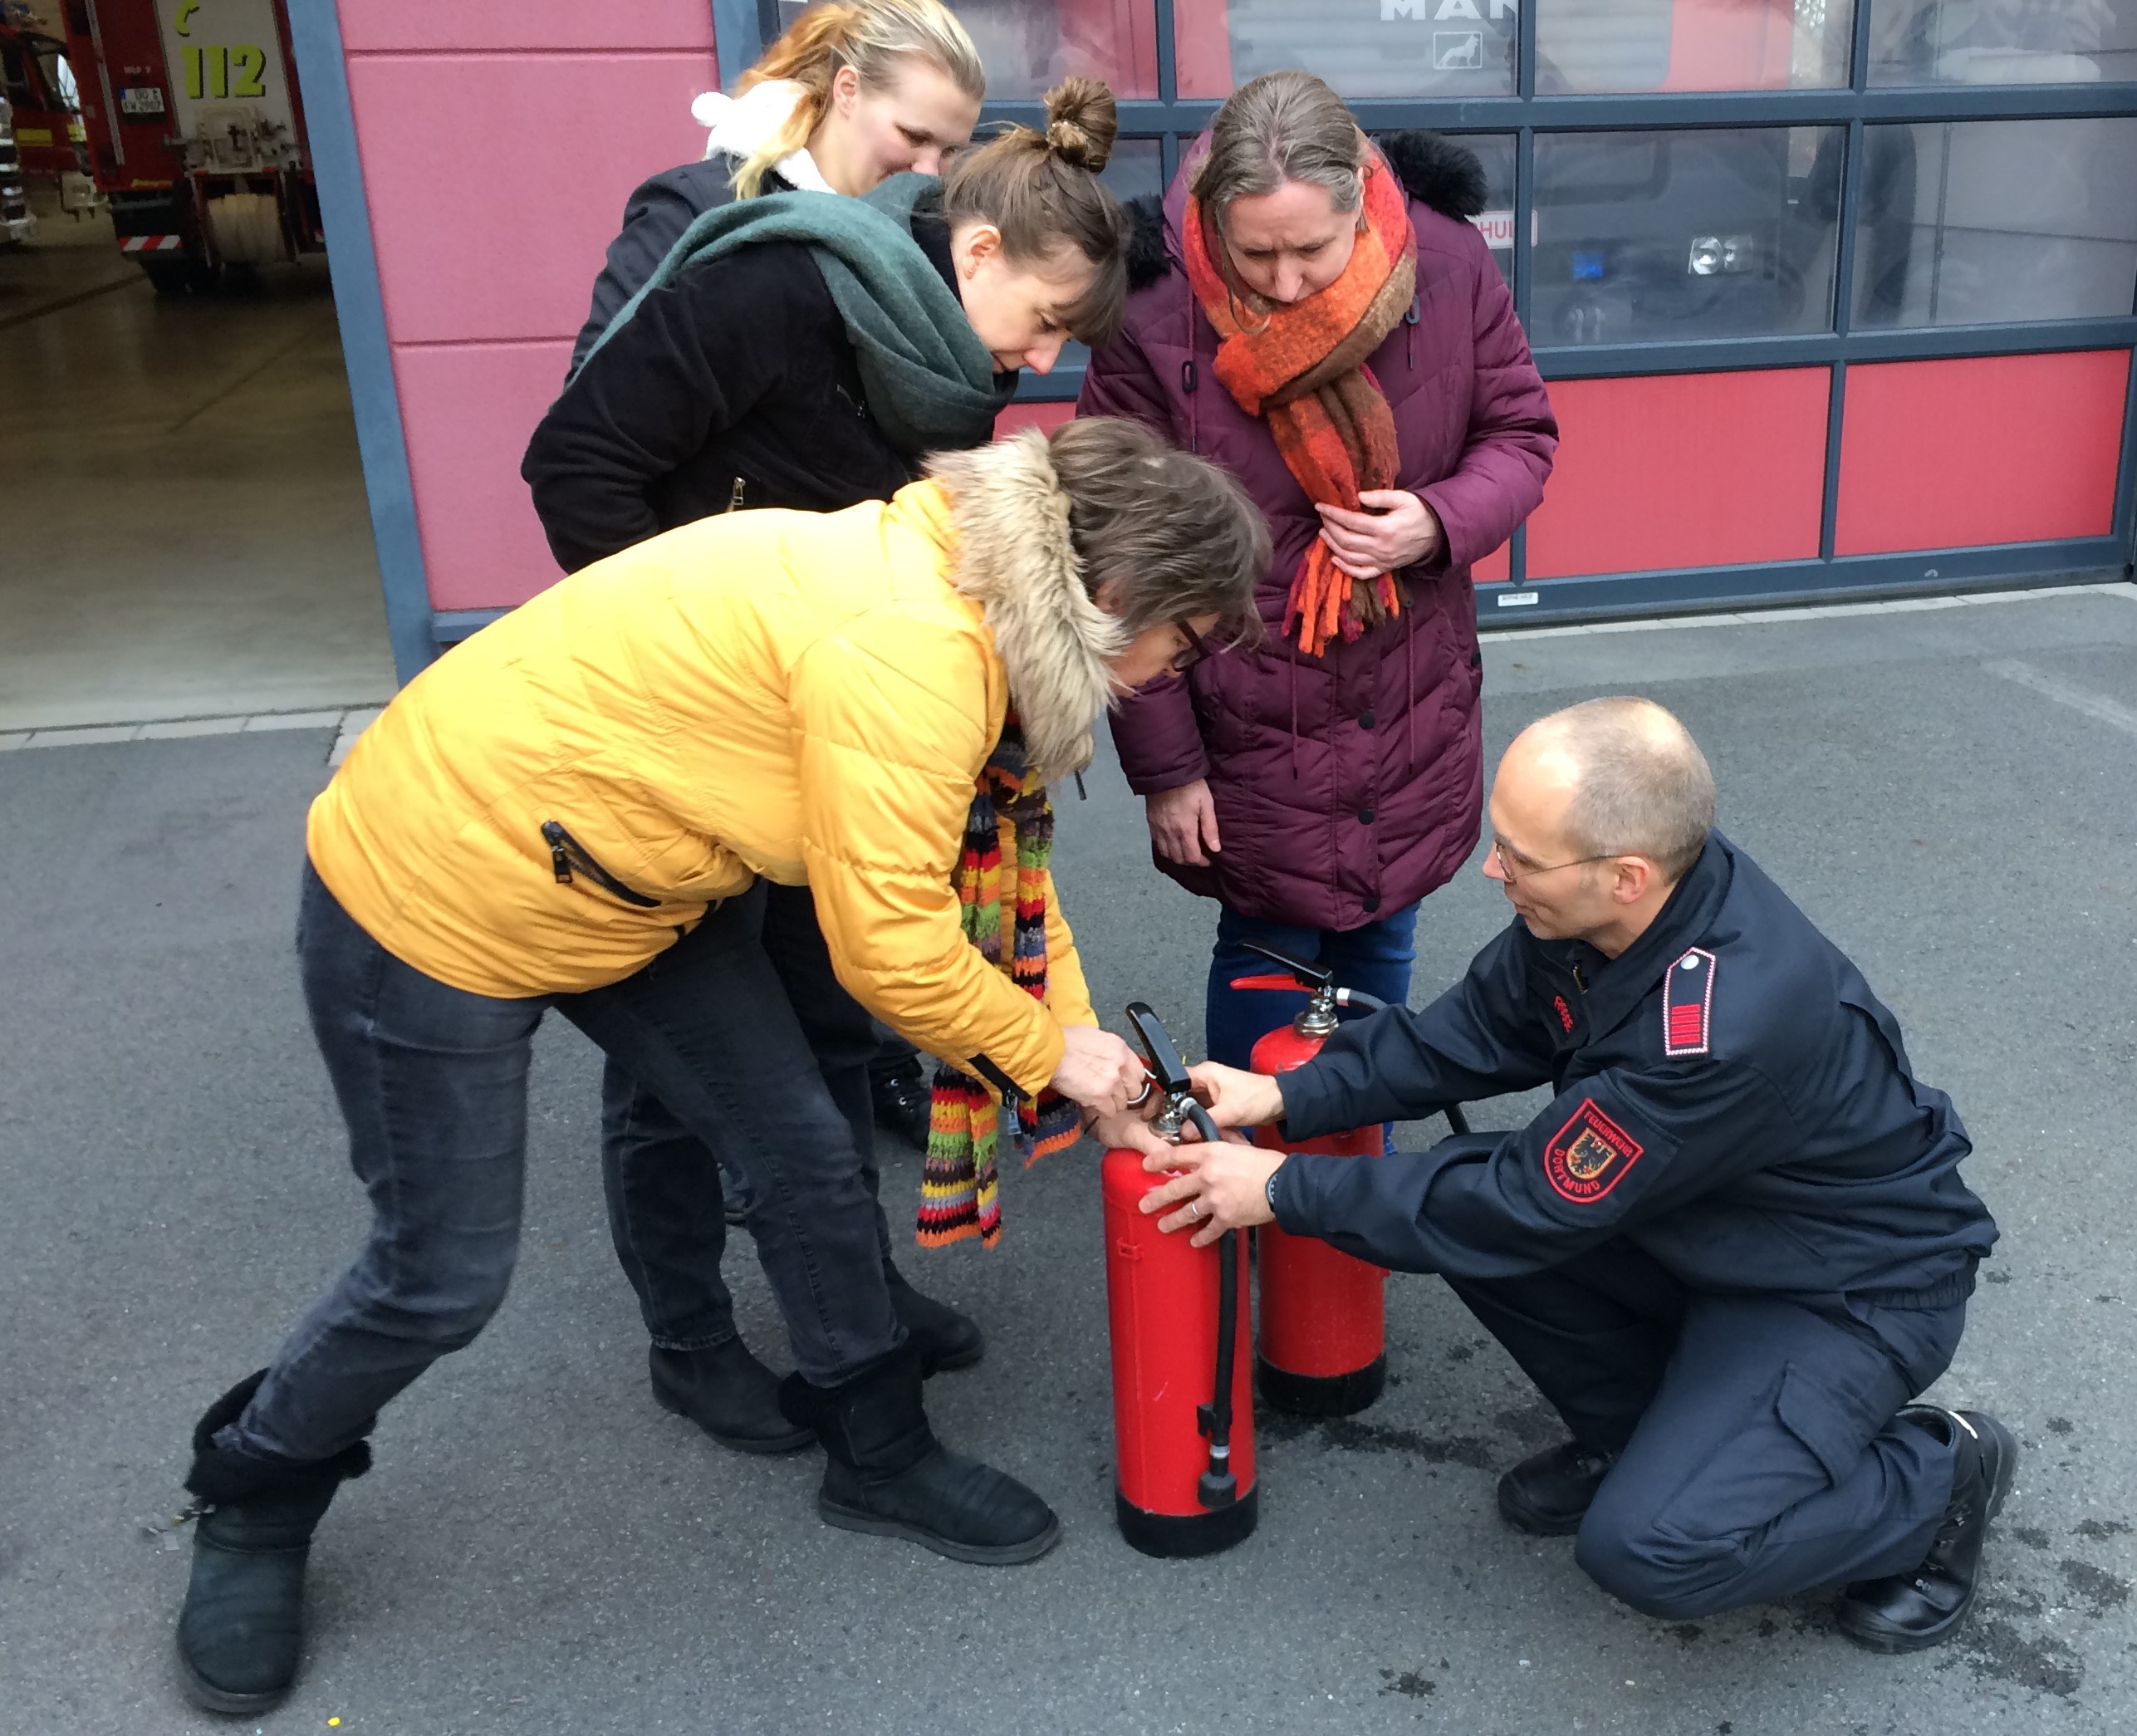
1730, 1251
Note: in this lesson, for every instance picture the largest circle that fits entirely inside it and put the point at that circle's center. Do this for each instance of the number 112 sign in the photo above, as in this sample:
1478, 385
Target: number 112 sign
224, 55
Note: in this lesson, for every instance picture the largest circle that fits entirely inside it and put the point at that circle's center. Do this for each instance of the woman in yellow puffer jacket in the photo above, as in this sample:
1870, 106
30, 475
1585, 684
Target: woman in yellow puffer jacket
588, 807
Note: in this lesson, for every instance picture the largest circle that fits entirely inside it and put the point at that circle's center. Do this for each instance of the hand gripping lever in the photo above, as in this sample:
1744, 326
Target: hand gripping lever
1216, 1487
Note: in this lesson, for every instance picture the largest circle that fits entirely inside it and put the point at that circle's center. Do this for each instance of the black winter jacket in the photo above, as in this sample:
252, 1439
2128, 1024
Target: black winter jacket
733, 385
1731, 1098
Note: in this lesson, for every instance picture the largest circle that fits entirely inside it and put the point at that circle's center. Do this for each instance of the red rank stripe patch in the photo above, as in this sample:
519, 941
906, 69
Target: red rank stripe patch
1686, 1026
1589, 1155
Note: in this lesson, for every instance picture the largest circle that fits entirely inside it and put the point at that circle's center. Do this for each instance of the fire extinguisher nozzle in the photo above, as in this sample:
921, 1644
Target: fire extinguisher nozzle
1217, 1489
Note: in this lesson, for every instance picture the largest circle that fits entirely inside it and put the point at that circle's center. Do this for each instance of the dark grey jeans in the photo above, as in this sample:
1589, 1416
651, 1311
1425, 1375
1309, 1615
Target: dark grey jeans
432, 1082
665, 1191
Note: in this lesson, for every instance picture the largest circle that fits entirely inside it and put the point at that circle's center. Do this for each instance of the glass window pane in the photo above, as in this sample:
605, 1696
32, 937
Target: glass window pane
2002, 42
1362, 48
1029, 45
1644, 237
1969, 222
1692, 45
1137, 167
1495, 151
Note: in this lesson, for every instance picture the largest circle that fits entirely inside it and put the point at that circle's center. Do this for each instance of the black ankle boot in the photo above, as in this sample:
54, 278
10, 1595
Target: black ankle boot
729, 1394
1913, 1612
945, 1339
1548, 1494
887, 1474
242, 1630
903, 1100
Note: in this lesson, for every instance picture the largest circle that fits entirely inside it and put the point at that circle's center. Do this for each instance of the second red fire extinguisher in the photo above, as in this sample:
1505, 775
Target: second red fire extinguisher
1321, 1350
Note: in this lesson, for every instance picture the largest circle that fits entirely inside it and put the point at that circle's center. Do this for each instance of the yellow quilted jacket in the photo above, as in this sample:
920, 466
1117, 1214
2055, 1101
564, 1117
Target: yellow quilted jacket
805, 697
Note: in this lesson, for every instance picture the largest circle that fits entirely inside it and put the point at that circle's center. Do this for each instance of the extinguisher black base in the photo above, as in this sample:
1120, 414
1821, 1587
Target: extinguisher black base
1174, 1536
1321, 1395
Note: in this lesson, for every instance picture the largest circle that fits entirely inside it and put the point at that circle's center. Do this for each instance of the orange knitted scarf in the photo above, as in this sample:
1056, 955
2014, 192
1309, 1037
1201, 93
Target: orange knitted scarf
1301, 368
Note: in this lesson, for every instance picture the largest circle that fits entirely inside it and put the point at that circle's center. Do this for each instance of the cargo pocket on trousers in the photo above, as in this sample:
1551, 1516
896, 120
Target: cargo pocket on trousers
1834, 1428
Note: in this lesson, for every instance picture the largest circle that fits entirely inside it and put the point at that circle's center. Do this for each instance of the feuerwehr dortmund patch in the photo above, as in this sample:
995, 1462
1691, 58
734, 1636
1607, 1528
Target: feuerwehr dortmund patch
1589, 1155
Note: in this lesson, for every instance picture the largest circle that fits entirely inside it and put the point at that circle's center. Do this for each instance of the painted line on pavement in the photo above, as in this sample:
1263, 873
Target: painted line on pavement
1824, 611
347, 722
2098, 706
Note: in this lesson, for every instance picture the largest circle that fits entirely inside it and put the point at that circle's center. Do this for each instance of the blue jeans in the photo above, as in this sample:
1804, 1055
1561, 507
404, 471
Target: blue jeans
1376, 959
432, 1082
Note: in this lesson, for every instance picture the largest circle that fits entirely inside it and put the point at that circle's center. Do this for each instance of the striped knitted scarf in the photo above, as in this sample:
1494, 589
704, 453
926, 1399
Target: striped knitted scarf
1302, 368
1002, 886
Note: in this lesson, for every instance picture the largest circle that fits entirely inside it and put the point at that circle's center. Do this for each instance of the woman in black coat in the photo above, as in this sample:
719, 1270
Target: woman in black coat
732, 381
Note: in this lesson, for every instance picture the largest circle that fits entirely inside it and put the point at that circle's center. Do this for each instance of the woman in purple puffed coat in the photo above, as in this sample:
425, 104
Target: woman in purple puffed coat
1319, 795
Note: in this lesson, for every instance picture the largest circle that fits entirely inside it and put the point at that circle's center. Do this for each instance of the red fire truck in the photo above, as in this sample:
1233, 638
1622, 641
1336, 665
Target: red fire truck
196, 134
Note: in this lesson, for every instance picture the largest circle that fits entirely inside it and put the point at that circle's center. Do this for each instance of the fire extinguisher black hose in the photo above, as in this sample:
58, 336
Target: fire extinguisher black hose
1456, 1120
1219, 1487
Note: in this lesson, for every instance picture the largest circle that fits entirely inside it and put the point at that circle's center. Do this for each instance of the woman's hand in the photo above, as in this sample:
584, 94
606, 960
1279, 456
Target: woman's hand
1396, 530
1184, 822
1098, 1070
1130, 1131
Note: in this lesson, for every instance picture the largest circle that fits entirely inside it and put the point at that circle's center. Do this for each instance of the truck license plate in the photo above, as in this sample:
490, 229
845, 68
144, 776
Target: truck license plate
142, 100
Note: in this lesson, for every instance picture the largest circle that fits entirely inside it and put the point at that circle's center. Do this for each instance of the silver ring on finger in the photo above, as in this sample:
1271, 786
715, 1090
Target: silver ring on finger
1194, 1210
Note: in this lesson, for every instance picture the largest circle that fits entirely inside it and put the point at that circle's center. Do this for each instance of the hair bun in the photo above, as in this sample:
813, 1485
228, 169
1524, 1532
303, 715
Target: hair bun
1081, 121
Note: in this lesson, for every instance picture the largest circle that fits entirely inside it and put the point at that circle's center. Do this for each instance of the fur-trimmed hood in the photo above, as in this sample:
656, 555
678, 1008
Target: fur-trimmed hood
1438, 173
1017, 559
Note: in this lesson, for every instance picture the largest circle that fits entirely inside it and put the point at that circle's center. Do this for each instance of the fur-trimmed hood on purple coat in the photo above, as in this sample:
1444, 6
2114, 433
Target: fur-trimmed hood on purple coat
1349, 784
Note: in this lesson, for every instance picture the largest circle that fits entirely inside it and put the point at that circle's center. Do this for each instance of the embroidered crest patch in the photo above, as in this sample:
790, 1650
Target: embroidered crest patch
1688, 1003
1587, 1156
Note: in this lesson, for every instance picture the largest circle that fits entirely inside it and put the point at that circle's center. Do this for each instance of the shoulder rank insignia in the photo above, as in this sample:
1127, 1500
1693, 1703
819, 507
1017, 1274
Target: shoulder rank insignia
1688, 1003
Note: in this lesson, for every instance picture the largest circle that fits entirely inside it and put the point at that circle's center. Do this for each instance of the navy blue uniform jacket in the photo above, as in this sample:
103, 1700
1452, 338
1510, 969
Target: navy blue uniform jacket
1729, 1096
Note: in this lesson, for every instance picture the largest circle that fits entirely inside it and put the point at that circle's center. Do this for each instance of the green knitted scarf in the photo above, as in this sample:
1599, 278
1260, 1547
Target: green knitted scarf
931, 384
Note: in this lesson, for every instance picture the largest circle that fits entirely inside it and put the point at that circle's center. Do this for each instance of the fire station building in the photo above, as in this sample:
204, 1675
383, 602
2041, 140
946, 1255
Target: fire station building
1834, 298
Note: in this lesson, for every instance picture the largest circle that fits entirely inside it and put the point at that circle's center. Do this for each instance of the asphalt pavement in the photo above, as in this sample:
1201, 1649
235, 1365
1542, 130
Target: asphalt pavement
1948, 791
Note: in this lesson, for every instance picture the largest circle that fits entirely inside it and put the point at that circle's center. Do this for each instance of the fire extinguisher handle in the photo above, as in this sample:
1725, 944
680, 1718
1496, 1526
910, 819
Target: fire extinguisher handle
1289, 985
1303, 974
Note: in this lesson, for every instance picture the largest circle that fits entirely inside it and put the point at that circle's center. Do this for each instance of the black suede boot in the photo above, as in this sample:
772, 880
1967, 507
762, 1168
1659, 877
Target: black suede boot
1548, 1494
887, 1474
242, 1630
1913, 1612
729, 1394
945, 1339
903, 1100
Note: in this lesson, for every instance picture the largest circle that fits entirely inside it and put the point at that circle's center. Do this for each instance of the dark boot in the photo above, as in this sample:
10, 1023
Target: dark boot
903, 1100
1913, 1612
242, 1630
887, 1474
729, 1394
1548, 1494
945, 1339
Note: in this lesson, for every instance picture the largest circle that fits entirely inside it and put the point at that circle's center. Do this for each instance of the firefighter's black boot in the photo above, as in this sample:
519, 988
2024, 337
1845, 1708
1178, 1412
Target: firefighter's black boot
1548, 1494
242, 1630
945, 1339
730, 1394
887, 1474
1913, 1612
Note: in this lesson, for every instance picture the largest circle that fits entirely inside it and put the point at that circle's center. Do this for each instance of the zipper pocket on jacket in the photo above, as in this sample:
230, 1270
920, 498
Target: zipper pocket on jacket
566, 852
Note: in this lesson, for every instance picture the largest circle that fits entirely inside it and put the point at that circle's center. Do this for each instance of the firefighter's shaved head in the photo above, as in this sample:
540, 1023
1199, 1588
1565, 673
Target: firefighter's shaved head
1632, 780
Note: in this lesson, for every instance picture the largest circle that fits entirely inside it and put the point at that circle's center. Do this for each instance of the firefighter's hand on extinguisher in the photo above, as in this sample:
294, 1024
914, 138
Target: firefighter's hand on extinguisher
1098, 1069
1225, 1186
1236, 1099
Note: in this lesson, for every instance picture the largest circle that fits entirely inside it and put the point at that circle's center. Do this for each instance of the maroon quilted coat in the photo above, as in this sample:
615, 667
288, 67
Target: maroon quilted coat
1349, 784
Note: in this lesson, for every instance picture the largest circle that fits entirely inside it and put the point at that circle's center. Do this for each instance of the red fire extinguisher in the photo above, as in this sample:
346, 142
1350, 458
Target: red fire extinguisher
1183, 1399
1321, 1350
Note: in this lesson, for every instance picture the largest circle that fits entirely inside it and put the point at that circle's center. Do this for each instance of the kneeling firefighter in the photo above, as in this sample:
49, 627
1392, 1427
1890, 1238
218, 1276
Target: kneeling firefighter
1731, 1252
602, 804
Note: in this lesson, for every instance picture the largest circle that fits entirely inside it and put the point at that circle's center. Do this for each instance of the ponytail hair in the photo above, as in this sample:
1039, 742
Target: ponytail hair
1042, 191
871, 37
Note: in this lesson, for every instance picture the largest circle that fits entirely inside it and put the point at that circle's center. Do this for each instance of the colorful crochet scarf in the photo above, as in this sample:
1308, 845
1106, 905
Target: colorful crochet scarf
1002, 885
1302, 368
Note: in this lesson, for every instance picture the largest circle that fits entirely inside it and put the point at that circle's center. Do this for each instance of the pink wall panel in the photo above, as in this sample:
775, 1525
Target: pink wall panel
495, 181
1984, 449
1683, 470
468, 409
372, 26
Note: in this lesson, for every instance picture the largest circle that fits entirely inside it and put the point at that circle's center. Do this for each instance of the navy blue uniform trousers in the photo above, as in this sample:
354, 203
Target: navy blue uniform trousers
1759, 1454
